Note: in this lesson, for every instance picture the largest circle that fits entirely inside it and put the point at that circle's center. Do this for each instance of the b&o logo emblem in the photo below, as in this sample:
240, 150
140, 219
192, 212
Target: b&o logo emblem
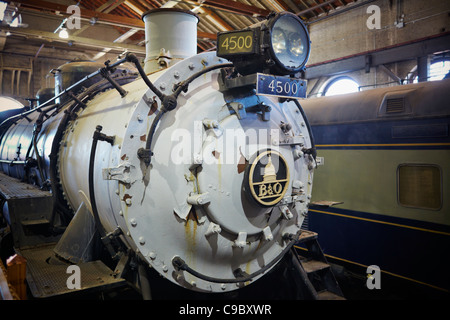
267, 177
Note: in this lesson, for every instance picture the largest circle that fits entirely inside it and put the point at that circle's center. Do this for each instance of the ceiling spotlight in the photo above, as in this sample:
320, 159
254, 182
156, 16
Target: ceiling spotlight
63, 33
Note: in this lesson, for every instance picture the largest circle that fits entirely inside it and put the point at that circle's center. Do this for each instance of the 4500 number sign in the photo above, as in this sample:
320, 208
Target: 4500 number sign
235, 42
280, 86
238, 43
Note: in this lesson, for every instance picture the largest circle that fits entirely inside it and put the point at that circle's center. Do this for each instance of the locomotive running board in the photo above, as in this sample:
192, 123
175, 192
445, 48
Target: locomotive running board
30, 211
49, 277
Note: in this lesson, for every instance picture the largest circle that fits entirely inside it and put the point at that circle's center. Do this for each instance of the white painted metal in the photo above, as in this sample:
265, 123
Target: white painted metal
169, 33
189, 202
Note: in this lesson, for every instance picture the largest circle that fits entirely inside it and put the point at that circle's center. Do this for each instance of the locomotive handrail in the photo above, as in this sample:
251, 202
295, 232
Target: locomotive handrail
313, 150
66, 91
106, 238
146, 153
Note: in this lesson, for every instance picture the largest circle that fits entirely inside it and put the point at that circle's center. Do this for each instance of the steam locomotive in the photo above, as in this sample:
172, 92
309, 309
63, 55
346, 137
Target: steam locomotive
197, 166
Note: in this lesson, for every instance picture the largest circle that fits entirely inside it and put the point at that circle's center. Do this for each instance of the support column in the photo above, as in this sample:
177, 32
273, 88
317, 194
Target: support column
422, 68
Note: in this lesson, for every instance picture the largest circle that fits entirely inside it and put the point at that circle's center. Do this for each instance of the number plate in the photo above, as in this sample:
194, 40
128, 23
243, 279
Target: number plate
280, 86
235, 43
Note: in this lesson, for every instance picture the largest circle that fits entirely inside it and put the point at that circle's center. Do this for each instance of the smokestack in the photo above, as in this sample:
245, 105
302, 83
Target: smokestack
170, 36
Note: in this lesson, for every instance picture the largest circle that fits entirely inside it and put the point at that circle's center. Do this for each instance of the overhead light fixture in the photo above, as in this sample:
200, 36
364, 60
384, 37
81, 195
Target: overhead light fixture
63, 33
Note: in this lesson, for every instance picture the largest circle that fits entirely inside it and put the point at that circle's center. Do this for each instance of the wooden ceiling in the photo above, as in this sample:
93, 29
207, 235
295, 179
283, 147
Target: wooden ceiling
215, 15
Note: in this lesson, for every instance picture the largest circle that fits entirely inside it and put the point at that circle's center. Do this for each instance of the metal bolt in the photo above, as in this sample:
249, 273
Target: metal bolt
128, 201
297, 184
165, 268
133, 222
152, 255
198, 159
298, 153
209, 123
141, 241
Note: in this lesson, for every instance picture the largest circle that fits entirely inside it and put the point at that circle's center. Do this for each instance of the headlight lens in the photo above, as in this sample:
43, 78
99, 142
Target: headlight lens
279, 41
290, 42
296, 45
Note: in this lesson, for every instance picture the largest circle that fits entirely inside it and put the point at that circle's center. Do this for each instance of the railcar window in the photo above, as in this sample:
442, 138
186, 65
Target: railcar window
420, 186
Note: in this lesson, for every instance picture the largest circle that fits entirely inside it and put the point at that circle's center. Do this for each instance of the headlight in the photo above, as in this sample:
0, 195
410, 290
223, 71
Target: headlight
279, 45
289, 43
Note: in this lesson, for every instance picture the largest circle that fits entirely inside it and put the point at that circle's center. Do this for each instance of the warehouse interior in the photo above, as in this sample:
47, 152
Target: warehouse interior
356, 46
405, 37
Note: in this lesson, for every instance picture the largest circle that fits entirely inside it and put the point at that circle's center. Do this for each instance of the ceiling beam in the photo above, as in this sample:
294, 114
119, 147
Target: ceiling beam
232, 6
294, 7
75, 40
85, 13
109, 6
136, 7
105, 8
218, 21
55, 8
315, 7
400, 52
278, 5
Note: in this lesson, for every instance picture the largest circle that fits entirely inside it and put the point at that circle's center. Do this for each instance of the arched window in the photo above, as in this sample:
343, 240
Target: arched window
340, 85
439, 69
7, 103
9, 16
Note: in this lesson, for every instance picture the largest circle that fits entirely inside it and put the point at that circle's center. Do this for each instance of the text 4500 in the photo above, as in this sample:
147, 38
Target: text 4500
280, 86
283, 88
